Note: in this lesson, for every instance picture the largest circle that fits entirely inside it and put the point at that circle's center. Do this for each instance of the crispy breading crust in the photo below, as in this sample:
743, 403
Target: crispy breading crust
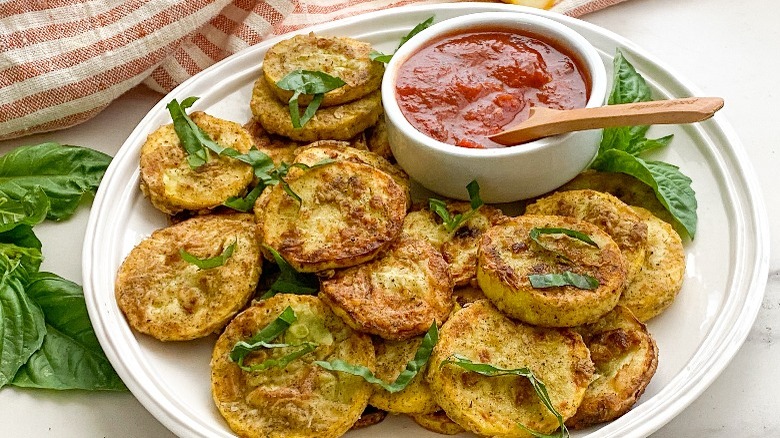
626, 358
303, 399
391, 359
168, 298
493, 406
343, 57
438, 422
348, 214
508, 255
172, 186
396, 296
661, 277
607, 212
341, 122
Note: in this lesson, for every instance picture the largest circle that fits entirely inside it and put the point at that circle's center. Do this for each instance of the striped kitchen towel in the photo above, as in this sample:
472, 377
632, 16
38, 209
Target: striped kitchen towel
63, 61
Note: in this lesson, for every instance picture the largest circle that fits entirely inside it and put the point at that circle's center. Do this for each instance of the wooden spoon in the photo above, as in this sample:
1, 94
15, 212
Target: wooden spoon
544, 122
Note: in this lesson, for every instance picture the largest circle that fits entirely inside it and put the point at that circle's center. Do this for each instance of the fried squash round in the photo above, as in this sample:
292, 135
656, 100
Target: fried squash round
378, 141
341, 122
459, 248
493, 406
348, 213
626, 357
391, 360
301, 399
396, 296
438, 422
607, 212
508, 256
173, 186
661, 277
171, 299
343, 57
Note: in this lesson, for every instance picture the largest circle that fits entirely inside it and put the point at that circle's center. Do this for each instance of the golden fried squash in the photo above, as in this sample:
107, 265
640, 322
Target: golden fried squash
607, 212
391, 360
626, 357
301, 399
509, 256
171, 299
467, 294
341, 122
493, 406
369, 417
320, 151
438, 422
396, 296
459, 247
624, 187
280, 149
347, 214
345, 58
660, 279
378, 142
172, 186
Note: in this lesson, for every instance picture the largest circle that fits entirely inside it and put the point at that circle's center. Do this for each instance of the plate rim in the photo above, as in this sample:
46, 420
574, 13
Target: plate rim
725, 348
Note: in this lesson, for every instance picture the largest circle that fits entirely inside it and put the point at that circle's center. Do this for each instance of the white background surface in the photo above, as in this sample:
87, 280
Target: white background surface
726, 48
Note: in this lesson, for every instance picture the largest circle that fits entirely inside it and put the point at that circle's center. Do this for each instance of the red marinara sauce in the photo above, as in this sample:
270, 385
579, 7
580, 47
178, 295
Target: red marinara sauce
466, 86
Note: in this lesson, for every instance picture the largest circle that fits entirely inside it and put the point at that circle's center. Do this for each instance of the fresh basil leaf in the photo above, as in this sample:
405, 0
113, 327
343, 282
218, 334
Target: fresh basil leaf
21, 235
310, 109
417, 29
404, 378
66, 174
197, 154
672, 188
290, 281
22, 257
452, 223
645, 145
247, 202
22, 325
566, 278
379, 57
492, 371
208, 263
265, 335
536, 232
71, 356
282, 362
315, 83
31, 209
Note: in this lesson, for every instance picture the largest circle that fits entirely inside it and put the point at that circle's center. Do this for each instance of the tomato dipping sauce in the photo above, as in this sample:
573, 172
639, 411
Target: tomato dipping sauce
466, 86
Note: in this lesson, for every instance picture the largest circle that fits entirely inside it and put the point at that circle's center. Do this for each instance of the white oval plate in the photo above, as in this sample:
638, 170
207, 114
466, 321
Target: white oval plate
726, 272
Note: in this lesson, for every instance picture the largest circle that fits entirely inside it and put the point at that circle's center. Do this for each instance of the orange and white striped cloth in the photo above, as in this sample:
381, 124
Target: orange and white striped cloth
63, 61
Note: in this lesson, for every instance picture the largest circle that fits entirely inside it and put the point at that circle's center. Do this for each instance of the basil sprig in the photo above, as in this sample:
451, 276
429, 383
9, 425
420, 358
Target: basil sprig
316, 83
264, 337
402, 381
211, 262
381, 57
620, 149
536, 232
290, 281
452, 223
565, 278
492, 371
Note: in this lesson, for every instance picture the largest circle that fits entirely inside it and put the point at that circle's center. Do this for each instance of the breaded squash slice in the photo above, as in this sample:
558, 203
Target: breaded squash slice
378, 142
626, 357
369, 417
467, 294
438, 422
341, 122
391, 360
607, 212
280, 149
320, 151
508, 257
396, 296
301, 399
661, 277
493, 406
171, 299
459, 248
345, 58
347, 214
172, 186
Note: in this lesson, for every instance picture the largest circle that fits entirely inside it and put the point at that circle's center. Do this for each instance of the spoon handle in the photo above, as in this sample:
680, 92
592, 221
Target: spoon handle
544, 122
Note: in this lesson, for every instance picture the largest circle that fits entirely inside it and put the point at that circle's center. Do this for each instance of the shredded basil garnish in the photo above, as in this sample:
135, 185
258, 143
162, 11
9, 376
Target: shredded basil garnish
412, 367
381, 57
290, 281
316, 83
491, 371
452, 223
566, 278
264, 336
247, 202
537, 231
208, 263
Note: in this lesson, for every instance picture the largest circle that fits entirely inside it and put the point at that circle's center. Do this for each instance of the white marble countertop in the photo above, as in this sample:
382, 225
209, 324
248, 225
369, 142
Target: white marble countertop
726, 48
